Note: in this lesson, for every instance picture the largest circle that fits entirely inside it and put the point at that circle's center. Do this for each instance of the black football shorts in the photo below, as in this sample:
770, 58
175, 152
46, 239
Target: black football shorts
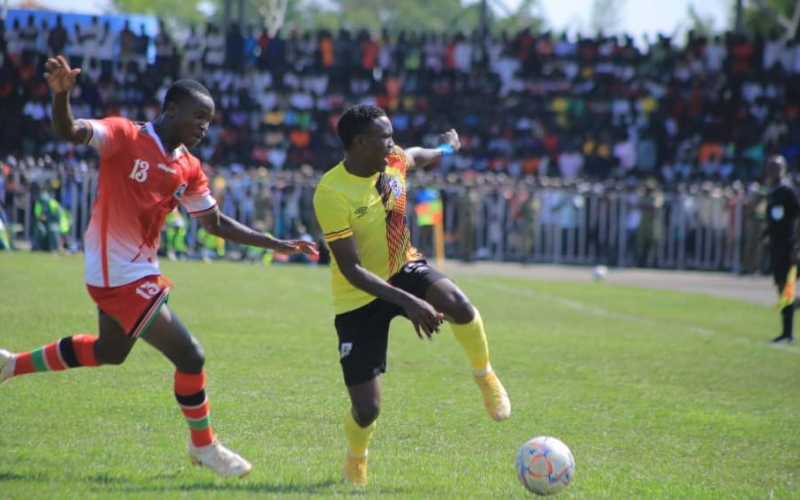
364, 332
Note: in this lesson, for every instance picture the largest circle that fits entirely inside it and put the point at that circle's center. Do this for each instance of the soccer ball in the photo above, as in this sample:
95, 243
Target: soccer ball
599, 273
545, 465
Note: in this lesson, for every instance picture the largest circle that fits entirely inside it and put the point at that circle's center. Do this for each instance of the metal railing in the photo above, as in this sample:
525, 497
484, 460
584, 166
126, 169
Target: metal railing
707, 231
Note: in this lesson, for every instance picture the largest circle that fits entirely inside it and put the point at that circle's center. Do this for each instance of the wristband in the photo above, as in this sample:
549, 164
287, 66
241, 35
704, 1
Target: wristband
446, 149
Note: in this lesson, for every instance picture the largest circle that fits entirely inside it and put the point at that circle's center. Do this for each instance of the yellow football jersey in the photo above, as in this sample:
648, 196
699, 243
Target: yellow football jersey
373, 211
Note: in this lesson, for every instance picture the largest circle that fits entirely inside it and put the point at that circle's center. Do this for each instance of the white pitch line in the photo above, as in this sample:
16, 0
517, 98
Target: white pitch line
597, 311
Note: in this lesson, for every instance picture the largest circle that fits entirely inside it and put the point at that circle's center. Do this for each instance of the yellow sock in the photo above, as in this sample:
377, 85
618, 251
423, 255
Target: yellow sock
472, 338
357, 437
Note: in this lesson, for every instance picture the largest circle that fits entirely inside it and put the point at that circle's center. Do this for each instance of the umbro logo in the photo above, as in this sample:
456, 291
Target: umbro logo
167, 169
361, 211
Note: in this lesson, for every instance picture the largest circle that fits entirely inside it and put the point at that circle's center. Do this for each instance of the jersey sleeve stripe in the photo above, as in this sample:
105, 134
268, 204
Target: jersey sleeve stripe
207, 211
338, 235
89, 130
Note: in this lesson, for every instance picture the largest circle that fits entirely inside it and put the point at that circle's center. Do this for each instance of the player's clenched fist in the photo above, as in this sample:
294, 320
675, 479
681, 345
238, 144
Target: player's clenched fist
451, 138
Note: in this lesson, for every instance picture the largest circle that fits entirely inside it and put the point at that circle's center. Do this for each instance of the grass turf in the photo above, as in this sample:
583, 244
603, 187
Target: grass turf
660, 395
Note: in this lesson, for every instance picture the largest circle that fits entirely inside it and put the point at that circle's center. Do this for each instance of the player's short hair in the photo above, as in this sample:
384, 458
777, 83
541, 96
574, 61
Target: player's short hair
181, 90
355, 121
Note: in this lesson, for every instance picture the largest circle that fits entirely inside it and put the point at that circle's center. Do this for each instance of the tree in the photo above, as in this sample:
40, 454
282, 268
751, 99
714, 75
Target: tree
606, 15
701, 26
272, 12
763, 16
410, 15
183, 11
269, 14
527, 15
375, 15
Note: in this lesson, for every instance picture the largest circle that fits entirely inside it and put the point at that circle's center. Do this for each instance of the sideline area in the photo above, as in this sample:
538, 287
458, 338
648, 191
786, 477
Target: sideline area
758, 289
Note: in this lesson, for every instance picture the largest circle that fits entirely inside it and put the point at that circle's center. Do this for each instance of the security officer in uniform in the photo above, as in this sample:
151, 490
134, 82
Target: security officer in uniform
783, 210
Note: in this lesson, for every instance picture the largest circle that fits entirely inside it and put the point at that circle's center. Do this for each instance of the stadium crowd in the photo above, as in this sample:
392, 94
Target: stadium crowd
486, 216
583, 115
524, 103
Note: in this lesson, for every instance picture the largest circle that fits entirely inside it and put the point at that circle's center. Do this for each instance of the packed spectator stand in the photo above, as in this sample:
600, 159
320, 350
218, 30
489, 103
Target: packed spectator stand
583, 150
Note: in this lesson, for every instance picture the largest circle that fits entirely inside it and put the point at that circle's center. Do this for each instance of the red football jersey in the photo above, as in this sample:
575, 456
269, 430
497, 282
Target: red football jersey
140, 183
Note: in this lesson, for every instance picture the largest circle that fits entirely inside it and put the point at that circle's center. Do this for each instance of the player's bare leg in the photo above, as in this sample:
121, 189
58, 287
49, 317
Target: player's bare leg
467, 325
169, 335
113, 345
360, 421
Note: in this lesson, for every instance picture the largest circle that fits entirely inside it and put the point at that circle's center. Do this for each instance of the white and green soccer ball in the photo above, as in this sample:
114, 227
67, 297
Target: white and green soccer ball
545, 465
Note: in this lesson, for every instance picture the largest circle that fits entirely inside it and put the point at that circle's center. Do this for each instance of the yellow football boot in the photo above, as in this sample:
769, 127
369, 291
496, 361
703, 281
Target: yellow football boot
494, 396
355, 470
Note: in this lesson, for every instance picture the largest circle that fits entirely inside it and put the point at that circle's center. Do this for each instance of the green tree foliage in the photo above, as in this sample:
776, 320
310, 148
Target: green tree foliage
419, 15
527, 15
414, 15
374, 15
183, 11
766, 16
701, 25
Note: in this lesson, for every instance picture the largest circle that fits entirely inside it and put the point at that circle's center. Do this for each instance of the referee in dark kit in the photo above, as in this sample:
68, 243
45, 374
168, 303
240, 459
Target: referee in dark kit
783, 210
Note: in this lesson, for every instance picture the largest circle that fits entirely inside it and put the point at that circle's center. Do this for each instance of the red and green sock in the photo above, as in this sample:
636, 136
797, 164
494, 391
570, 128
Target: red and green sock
191, 395
78, 350
69, 352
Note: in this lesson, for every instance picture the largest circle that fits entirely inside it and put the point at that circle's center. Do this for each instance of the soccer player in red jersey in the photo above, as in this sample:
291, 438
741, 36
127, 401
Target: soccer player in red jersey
145, 172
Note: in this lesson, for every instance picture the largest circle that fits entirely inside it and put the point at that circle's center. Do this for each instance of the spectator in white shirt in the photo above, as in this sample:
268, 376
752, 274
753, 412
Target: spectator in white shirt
462, 54
76, 49
14, 42
91, 40
564, 48
106, 47
570, 164
214, 56
772, 51
30, 36
193, 47
434, 54
715, 55
625, 151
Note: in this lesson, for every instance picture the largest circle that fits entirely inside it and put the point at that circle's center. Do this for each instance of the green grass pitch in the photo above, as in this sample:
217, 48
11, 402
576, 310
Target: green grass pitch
660, 395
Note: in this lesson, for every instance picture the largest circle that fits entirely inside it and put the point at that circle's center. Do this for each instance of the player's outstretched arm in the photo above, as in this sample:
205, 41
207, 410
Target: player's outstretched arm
61, 80
448, 145
229, 229
424, 317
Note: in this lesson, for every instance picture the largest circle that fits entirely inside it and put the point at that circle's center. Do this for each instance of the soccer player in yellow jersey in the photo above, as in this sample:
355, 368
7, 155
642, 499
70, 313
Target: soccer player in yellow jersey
377, 275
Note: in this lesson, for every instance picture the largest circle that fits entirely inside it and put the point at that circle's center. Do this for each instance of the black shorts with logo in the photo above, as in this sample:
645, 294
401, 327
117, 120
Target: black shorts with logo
364, 332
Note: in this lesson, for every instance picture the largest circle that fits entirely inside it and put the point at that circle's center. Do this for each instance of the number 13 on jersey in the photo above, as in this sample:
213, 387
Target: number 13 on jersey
139, 172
